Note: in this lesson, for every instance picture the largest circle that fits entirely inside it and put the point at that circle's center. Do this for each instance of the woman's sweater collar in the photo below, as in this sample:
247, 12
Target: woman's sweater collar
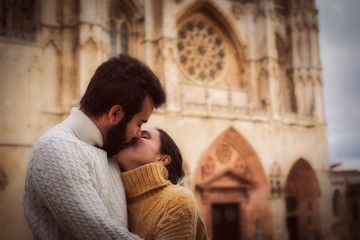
144, 179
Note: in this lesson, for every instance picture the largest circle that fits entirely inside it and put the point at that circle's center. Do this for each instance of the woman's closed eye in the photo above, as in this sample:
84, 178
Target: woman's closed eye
145, 134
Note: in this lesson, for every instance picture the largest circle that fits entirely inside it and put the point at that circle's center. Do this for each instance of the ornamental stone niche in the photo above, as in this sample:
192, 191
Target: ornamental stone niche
231, 189
275, 180
302, 192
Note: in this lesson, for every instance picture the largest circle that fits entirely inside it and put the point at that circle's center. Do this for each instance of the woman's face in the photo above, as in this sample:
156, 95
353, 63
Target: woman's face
145, 150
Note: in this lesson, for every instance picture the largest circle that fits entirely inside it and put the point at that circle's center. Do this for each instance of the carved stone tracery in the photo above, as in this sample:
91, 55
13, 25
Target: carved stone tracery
207, 168
201, 50
223, 153
226, 157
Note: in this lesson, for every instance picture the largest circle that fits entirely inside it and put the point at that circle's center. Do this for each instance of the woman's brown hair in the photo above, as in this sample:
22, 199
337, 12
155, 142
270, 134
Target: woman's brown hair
169, 147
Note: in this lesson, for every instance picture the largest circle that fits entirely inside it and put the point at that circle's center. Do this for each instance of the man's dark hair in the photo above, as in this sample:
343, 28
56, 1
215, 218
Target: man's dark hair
121, 80
169, 147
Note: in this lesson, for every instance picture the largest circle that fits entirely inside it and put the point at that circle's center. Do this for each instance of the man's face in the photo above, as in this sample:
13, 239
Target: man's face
121, 135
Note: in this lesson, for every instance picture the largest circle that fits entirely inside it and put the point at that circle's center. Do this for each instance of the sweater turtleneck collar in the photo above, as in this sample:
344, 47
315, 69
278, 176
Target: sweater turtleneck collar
84, 128
144, 179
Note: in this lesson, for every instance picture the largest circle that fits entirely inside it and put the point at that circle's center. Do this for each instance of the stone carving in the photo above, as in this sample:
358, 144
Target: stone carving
223, 153
275, 180
208, 168
240, 165
201, 51
237, 11
247, 173
224, 157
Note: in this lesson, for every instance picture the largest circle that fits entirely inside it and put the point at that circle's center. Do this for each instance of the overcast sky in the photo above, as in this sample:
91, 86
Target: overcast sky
339, 37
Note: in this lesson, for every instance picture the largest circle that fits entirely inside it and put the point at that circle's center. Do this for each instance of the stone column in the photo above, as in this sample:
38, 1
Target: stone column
169, 55
271, 63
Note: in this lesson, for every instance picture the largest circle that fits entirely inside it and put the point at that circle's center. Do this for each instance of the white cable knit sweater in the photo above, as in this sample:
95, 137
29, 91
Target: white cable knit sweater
72, 190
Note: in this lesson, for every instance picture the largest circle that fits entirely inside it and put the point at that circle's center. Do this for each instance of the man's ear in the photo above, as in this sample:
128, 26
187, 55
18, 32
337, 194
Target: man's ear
115, 114
165, 160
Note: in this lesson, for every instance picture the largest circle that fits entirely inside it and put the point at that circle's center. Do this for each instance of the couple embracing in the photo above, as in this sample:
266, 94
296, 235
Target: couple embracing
98, 175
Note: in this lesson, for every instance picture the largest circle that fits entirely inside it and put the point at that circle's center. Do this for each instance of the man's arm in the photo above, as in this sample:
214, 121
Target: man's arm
62, 179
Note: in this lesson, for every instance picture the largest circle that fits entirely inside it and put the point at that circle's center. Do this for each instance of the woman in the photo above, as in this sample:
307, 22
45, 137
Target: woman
158, 207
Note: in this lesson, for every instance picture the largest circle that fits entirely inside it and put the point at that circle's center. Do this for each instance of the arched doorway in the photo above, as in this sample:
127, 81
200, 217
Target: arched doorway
231, 189
302, 202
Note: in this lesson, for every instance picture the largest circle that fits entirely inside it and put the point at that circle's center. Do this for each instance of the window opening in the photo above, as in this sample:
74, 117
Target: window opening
124, 36
112, 38
119, 34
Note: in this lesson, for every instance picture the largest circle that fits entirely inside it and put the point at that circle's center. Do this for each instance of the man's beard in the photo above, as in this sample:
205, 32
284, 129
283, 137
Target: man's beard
116, 138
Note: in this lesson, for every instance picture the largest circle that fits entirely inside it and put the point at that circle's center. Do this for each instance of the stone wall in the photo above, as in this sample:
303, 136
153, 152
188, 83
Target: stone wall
247, 67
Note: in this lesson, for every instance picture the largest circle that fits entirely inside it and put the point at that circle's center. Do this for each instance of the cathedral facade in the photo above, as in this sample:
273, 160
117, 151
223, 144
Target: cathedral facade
244, 101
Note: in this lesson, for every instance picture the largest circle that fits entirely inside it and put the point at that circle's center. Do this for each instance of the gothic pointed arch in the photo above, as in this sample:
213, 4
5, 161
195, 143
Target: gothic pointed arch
263, 89
124, 27
88, 50
230, 176
302, 192
50, 81
318, 100
299, 92
283, 48
309, 97
50, 99
209, 49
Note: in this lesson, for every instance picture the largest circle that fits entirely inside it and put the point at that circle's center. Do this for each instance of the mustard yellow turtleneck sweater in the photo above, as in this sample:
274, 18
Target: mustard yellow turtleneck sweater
159, 209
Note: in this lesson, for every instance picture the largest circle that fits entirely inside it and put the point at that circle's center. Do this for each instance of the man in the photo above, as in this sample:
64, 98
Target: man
72, 189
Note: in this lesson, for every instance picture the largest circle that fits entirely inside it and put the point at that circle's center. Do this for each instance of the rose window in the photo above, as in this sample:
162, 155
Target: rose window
201, 51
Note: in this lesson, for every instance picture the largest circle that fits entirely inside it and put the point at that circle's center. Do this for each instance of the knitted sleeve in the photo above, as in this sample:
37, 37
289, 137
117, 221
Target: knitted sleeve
181, 218
61, 177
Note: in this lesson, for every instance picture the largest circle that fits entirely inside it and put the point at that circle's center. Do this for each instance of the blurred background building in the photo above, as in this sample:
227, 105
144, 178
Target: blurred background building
245, 104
